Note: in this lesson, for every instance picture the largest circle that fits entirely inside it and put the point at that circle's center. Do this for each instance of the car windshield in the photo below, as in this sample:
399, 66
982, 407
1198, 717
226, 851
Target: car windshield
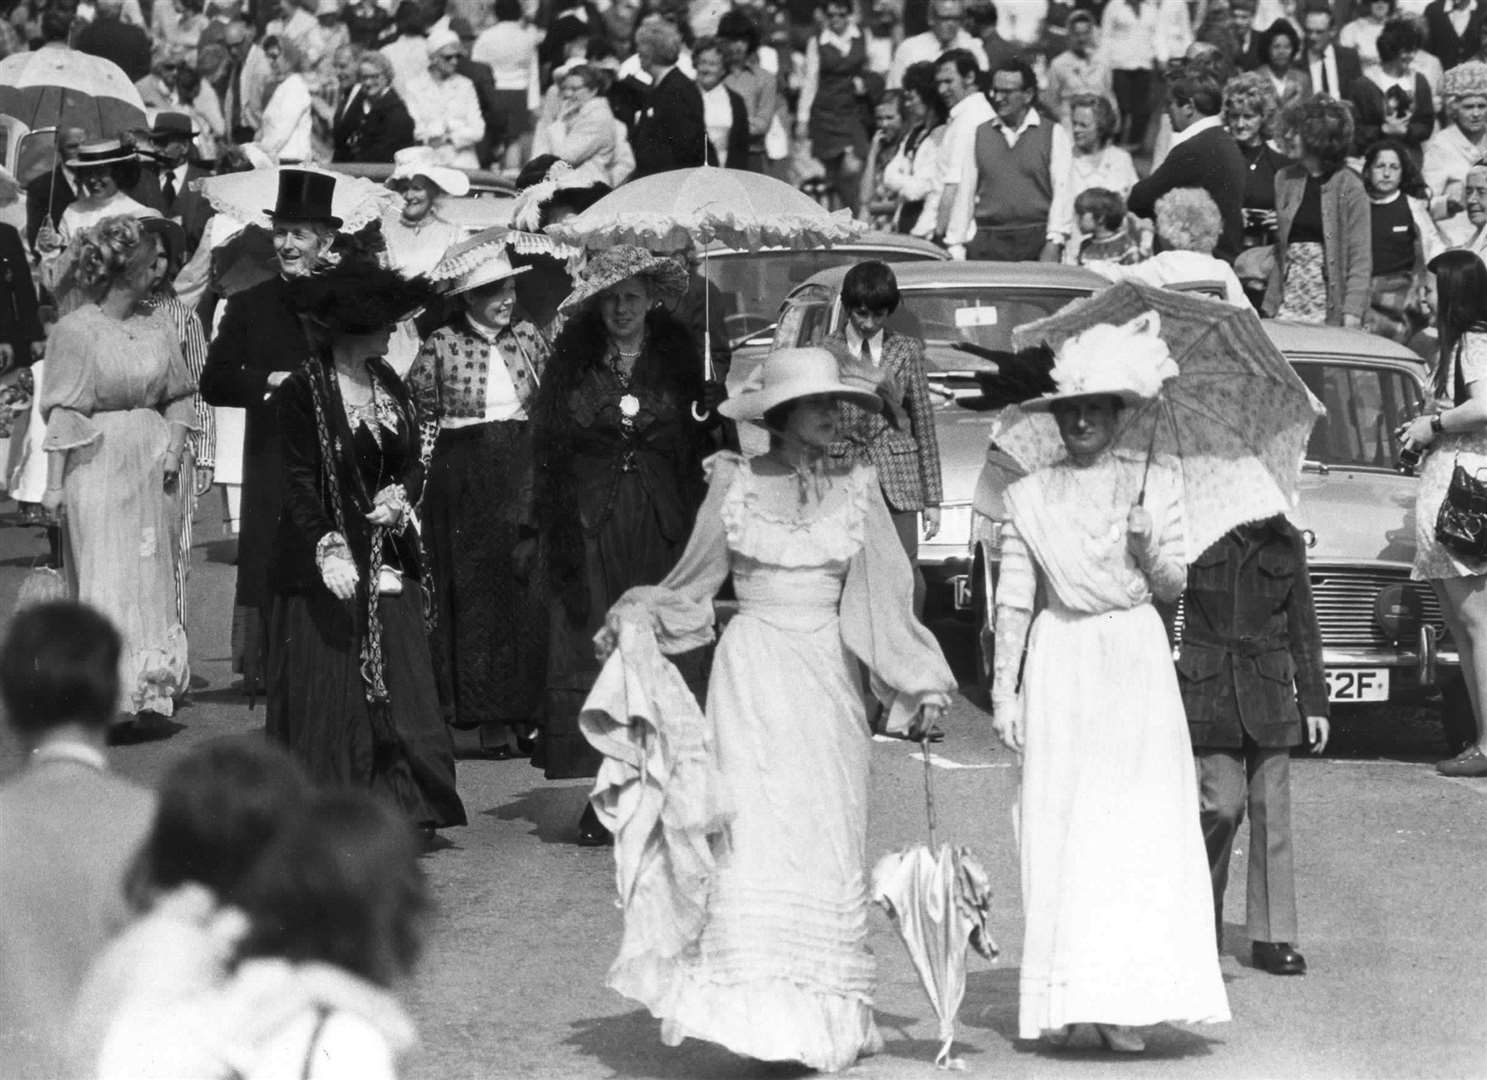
1364, 407
755, 284
984, 316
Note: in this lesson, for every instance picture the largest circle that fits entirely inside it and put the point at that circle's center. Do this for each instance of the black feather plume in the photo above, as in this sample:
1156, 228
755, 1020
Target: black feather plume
1020, 376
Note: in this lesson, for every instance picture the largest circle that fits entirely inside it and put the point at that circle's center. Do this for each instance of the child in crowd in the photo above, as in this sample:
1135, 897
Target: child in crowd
1102, 221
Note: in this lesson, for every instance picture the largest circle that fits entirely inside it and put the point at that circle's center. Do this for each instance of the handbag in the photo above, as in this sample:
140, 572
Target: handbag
1461, 524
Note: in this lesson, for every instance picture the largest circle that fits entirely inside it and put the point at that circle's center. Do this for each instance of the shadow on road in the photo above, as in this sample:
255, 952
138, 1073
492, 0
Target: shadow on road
553, 811
630, 1045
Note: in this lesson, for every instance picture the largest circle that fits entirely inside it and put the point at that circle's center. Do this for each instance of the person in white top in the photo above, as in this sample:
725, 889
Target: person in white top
285, 134
294, 24
408, 52
584, 131
1362, 34
1128, 36
445, 108
948, 219
1455, 148
509, 48
1189, 223
946, 31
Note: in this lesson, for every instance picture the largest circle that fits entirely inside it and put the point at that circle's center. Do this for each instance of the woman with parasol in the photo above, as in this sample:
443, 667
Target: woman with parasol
618, 467
775, 965
351, 687
1115, 884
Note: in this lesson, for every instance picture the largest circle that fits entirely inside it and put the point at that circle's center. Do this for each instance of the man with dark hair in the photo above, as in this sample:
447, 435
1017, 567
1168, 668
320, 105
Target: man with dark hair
1022, 166
1333, 68
982, 18
68, 827
1203, 155
757, 87
947, 212
1079, 69
110, 37
1246, 37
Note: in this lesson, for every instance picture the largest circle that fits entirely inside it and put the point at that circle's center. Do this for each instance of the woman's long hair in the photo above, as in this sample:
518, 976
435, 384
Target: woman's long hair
1411, 179
1461, 308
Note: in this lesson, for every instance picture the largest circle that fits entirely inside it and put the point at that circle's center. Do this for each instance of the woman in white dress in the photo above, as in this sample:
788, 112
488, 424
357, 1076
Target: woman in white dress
288, 123
1115, 885
418, 236
778, 968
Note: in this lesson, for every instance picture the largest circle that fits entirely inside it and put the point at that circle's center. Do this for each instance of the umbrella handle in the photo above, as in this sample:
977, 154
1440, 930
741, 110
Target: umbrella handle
699, 413
929, 791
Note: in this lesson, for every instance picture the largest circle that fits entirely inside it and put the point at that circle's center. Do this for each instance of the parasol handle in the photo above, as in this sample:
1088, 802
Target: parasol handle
708, 371
929, 791
1145, 472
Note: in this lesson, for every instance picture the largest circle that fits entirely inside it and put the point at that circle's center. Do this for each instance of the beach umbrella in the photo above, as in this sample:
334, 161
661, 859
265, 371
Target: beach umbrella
57, 87
939, 898
1233, 423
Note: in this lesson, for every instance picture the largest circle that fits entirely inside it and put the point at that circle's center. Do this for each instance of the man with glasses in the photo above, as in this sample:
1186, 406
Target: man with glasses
373, 124
1023, 167
946, 32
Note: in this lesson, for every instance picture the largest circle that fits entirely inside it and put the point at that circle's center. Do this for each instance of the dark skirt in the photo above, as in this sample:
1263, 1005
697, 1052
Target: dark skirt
628, 550
489, 634
511, 118
318, 709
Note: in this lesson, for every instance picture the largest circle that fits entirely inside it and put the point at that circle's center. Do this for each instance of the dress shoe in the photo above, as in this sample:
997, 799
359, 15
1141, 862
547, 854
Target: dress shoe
1120, 1038
1471, 763
1278, 958
590, 832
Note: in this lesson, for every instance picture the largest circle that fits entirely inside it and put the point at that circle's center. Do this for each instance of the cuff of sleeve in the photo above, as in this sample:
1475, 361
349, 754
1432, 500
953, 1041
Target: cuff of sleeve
331, 546
67, 429
1315, 705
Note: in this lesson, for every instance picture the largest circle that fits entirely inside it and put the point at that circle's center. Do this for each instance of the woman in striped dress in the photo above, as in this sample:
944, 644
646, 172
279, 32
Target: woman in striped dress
201, 444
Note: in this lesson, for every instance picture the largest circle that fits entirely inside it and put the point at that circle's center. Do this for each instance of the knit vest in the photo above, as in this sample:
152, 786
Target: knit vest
1014, 184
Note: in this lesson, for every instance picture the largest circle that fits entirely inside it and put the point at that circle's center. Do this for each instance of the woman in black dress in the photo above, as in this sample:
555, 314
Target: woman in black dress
351, 680
618, 474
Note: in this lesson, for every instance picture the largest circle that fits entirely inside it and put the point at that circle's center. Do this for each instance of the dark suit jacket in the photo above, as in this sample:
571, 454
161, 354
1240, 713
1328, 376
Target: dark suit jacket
1212, 161
190, 206
1248, 57
1349, 71
124, 43
47, 196
1250, 640
373, 134
908, 461
670, 132
146, 190
738, 135
260, 334
1441, 38
20, 321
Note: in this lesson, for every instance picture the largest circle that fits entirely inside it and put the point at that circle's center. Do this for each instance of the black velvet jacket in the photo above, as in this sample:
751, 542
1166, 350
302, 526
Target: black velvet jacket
364, 466
1250, 642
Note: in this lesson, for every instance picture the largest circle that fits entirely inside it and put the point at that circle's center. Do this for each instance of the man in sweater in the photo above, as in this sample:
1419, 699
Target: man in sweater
1203, 155
1454, 30
1023, 166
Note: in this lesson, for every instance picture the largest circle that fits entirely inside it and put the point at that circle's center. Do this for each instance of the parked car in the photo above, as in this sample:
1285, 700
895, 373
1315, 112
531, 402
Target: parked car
944, 303
1383, 636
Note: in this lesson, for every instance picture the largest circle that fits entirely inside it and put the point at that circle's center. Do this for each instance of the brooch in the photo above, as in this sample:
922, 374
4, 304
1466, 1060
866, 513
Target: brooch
629, 410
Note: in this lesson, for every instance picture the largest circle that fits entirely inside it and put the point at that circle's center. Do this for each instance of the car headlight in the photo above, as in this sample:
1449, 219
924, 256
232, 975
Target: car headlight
1397, 614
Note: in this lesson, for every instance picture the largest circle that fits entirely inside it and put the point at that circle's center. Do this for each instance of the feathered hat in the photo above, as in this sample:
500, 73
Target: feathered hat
356, 296
1129, 362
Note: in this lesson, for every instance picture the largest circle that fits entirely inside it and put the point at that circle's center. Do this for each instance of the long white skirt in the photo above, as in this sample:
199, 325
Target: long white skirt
1115, 882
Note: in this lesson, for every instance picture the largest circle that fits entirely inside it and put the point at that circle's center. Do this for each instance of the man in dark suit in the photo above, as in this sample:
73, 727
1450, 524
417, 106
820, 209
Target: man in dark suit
259, 343
670, 132
52, 192
1454, 30
21, 335
1246, 37
112, 38
1250, 644
1333, 68
1203, 155
373, 123
172, 134
68, 826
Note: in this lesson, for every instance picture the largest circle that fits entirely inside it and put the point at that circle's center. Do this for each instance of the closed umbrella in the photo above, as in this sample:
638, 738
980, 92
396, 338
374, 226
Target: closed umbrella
57, 87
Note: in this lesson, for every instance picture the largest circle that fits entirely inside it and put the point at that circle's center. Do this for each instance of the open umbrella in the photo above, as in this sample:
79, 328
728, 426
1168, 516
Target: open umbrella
54, 87
677, 210
247, 197
939, 899
1233, 423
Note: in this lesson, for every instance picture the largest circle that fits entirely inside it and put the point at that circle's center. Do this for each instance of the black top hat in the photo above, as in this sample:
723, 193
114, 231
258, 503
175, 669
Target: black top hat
305, 196
170, 125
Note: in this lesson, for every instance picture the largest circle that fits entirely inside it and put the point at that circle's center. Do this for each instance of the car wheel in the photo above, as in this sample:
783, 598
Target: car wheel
985, 647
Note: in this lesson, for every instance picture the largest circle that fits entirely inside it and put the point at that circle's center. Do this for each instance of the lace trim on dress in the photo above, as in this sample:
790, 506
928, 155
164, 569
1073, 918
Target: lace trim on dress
762, 534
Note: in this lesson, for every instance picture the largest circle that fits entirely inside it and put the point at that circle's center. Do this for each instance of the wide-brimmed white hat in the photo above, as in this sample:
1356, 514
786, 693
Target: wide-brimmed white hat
414, 161
1129, 362
788, 374
496, 266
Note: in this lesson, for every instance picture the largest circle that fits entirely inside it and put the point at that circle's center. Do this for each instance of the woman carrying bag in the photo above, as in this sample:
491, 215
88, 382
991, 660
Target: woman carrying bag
1454, 436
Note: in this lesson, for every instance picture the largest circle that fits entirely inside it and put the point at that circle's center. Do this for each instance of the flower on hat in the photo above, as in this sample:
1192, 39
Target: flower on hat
1130, 361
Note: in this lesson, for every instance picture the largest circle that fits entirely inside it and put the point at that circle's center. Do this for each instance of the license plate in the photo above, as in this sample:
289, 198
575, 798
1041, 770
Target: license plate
1357, 684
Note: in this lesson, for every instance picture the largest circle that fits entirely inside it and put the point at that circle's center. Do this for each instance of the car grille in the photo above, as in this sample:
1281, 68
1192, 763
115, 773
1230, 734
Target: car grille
1344, 599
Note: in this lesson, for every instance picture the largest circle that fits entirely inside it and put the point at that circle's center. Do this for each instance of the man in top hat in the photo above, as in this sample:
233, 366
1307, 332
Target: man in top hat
173, 134
259, 344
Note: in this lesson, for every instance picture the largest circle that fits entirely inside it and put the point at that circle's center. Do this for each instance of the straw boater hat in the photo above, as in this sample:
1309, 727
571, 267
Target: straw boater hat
1129, 362
494, 267
788, 374
414, 161
91, 155
664, 276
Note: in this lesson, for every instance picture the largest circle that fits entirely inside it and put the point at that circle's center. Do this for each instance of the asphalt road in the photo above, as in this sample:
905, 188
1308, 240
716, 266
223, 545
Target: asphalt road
1391, 861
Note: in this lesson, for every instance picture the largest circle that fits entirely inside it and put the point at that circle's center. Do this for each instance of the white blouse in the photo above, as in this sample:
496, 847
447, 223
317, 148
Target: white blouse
717, 115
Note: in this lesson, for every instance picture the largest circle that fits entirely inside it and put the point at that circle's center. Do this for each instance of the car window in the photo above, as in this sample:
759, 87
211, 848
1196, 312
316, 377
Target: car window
755, 284
1364, 407
985, 316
